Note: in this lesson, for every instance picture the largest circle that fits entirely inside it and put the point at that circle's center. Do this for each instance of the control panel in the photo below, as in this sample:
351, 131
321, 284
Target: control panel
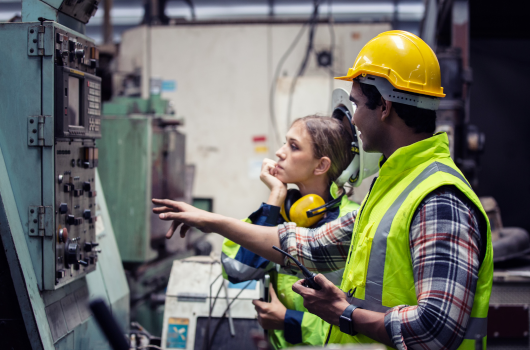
77, 127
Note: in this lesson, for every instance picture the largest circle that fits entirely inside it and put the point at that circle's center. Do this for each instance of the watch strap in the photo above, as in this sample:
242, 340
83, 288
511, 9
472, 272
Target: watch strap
346, 322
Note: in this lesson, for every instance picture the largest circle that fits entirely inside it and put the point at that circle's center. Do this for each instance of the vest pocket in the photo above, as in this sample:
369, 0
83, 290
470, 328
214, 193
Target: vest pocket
361, 256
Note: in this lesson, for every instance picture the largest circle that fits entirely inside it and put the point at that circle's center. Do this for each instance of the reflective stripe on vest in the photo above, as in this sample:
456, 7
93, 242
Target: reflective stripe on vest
238, 270
376, 267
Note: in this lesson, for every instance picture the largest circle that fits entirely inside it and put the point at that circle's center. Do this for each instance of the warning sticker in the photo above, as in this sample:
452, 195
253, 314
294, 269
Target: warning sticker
177, 332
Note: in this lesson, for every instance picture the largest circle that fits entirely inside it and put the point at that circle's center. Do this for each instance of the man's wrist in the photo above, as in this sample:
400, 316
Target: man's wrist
346, 322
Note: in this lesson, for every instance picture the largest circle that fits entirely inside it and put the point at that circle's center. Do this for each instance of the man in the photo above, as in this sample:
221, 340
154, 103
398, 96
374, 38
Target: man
419, 268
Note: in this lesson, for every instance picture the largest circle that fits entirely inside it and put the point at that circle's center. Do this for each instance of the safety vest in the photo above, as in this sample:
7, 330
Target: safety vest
379, 270
314, 329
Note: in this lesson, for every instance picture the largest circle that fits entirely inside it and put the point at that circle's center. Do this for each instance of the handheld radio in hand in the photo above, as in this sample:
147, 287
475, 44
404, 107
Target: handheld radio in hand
309, 276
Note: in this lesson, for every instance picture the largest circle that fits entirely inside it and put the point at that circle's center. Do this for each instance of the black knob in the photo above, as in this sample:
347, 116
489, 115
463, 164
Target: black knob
71, 254
86, 165
79, 53
70, 220
87, 186
93, 63
63, 208
82, 262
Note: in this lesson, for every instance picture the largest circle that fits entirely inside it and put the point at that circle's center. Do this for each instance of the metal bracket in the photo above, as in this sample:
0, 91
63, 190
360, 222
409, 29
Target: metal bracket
40, 221
40, 40
40, 131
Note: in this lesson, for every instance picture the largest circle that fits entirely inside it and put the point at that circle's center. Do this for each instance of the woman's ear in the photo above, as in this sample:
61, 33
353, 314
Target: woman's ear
323, 166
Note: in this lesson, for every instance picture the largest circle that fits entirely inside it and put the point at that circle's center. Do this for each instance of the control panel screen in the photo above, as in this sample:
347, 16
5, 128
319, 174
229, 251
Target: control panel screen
73, 101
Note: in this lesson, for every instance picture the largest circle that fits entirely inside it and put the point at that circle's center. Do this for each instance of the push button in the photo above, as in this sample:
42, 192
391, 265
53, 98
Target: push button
87, 214
70, 220
87, 186
63, 208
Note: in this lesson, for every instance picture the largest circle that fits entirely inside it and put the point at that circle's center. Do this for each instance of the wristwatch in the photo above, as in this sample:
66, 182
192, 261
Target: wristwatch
346, 322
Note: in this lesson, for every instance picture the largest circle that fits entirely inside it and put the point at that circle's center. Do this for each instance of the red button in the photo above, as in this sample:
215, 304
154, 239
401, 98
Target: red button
65, 110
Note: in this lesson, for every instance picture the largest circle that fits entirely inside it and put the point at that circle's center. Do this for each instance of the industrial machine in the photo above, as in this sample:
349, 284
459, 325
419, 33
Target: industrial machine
204, 311
143, 157
56, 233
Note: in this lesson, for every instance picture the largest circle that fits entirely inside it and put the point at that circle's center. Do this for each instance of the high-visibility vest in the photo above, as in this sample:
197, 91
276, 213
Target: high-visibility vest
379, 270
314, 329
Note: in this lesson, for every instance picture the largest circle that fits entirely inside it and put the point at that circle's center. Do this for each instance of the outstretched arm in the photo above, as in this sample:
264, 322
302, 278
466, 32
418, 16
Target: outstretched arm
258, 239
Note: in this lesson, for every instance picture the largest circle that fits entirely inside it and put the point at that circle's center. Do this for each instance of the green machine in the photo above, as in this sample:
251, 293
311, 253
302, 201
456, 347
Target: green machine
143, 157
58, 246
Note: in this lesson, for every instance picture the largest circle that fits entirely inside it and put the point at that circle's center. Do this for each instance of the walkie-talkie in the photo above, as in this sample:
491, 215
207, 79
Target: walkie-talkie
309, 276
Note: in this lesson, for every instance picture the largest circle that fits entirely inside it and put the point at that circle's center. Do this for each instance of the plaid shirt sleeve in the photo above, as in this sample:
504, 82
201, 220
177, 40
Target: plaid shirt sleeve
445, 245
323, 249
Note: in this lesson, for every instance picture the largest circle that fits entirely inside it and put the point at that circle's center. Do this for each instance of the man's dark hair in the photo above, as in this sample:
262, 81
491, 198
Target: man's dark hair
420, 119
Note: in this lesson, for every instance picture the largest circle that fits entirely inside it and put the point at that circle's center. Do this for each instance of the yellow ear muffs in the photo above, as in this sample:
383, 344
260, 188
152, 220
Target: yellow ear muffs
298, 212
295, 208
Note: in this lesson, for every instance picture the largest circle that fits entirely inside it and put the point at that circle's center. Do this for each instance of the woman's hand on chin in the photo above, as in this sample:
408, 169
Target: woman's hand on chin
182, 213
268, 176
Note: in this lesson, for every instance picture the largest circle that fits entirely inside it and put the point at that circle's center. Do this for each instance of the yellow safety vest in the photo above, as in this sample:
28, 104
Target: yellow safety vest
379, 268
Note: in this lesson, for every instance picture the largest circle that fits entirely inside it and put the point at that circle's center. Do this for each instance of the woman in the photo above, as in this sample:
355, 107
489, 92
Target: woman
315, 154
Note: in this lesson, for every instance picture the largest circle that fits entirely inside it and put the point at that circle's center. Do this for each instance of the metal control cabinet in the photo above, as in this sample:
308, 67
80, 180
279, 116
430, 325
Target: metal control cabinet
51, 221
50, 131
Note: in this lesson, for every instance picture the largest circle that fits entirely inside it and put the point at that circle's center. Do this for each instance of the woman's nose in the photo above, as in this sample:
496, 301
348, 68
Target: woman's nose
280, 153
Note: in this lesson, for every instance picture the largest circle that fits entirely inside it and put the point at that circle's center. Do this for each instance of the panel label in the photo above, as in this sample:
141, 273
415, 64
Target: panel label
177, 332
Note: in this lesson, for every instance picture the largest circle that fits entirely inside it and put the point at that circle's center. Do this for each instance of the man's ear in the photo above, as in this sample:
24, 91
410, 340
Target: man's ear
386, 107
323, 166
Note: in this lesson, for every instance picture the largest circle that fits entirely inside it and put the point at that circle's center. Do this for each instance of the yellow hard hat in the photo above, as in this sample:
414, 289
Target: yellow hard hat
403, 59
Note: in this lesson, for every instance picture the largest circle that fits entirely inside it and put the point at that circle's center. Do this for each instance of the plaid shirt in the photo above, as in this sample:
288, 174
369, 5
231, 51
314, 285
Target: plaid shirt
445, 246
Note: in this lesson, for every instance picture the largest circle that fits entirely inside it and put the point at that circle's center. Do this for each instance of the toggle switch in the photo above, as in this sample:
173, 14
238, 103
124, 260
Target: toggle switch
92, 194
68, 187
78, 193
89, 245
82, 262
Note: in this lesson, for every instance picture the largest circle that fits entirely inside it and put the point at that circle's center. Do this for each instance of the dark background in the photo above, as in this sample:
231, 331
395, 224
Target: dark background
500, 100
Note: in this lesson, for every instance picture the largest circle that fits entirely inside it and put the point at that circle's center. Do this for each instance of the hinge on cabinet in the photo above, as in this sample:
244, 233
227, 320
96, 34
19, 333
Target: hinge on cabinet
40, 40
40, 221
40, 130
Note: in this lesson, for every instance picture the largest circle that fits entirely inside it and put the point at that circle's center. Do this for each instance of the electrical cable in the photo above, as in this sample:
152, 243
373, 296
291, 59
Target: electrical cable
224, 315
312, 27
272, 94
212, 304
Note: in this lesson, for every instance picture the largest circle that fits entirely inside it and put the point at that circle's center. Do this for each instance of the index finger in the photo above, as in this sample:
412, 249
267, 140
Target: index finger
166, 202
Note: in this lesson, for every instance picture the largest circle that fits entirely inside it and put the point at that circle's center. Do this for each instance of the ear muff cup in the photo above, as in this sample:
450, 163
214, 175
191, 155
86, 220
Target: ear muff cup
295, 208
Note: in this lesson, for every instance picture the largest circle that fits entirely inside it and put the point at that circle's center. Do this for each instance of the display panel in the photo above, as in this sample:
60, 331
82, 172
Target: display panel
73, 101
